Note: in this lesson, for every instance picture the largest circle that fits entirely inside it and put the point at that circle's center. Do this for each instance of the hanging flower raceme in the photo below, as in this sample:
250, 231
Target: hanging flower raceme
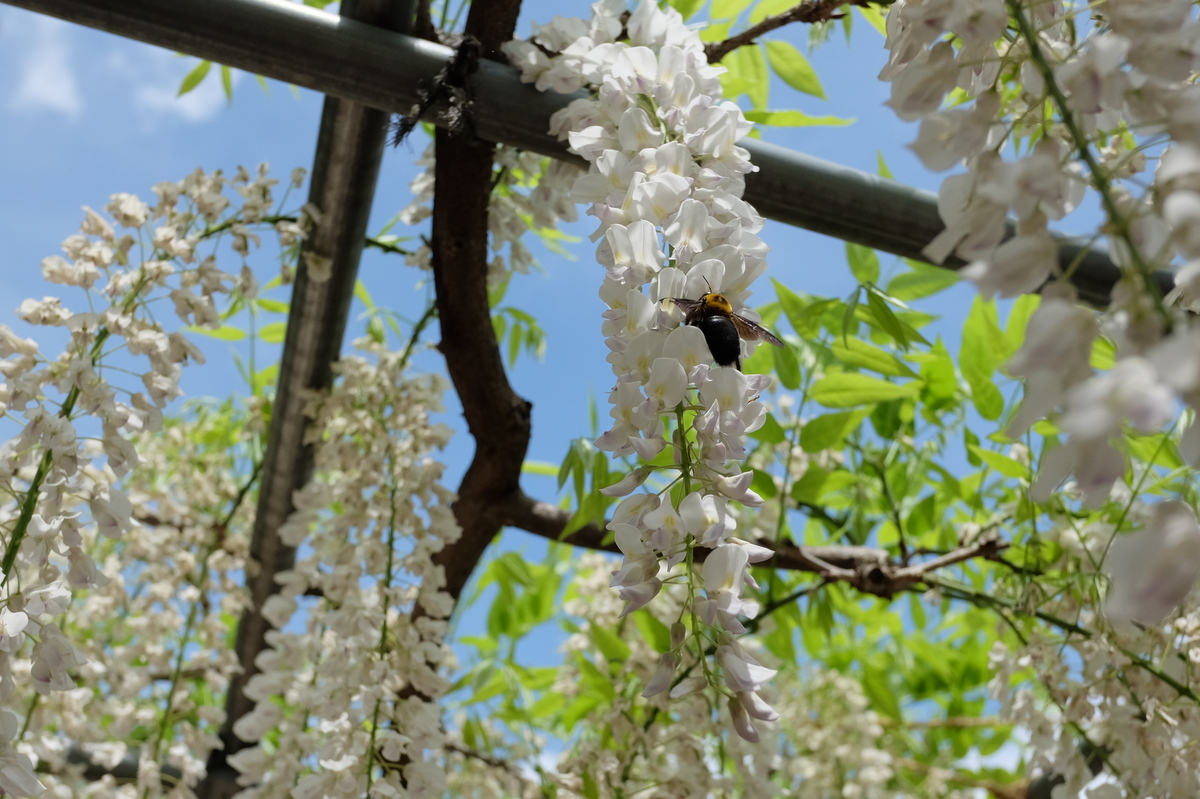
353, 687
82, 472
665, 181
1091, 100
1087, 102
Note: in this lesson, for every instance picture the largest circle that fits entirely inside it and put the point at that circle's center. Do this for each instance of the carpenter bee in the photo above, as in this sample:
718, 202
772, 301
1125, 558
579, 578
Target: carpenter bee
722, 328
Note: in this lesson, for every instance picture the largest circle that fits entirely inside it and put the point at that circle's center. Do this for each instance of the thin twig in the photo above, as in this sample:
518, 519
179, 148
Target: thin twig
809, 12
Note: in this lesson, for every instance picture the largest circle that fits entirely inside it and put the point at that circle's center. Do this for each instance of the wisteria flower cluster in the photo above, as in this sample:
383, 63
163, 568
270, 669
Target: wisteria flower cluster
1096, 95
832, 739
512, 212
665, 172
84, 503
354, 689
1116, 85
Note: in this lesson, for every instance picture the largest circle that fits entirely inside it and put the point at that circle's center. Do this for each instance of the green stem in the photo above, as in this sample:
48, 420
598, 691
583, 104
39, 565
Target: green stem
35, 486
383, 632
1083, 147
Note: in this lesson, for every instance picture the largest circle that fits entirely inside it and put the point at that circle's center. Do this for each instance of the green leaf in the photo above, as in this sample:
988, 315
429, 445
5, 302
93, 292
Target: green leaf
657, 634
787, 367
980, 355
761, 362
193, 78
1001, 463
362, 295
609, 643
1018, 319
687, 8
227, 82
856, 352
922, 280
747, 75
829, 430
224, 332
489, 688
1152, 449
941, 381
911, 334
763, 484
817, 483
795, 119
793, 307
876, 16
887, 319
864, 263
916, 609
845, 390
781, 641
876, 687
273, 333
768, 8
540, 467
882, 167
1104, 354
728, 9
770, 433
376, 330
593, 680
791, 65
271, 306
583, 706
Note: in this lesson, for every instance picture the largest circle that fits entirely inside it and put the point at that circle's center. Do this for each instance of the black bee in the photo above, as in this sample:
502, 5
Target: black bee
722, 328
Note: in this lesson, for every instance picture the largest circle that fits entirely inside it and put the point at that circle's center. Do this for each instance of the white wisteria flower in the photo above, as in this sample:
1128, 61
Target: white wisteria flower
1153, 570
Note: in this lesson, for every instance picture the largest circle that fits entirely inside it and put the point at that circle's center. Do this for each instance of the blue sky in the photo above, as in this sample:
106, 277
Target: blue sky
87, 114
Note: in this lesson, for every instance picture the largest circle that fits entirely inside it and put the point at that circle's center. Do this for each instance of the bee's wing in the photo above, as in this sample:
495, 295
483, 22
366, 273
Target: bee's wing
752, 331
687, 305
692, 309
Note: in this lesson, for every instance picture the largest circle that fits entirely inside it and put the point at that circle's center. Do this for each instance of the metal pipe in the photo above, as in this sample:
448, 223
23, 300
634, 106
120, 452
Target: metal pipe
349, 152
384, 70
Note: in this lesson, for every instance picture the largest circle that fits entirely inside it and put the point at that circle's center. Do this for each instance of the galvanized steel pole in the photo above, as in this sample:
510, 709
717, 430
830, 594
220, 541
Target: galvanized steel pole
381, 69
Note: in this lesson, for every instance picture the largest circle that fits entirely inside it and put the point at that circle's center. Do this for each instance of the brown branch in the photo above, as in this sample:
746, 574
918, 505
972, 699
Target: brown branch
124, 773
423, 22
495, 762
496, 417
868, 569
1018, 789
950, 723
809, 11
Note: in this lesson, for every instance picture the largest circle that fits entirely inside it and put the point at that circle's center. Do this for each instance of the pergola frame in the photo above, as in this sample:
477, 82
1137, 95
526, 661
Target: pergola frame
368, 68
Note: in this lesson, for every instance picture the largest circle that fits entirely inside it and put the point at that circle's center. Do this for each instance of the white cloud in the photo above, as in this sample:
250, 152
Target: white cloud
47, 80
159, 95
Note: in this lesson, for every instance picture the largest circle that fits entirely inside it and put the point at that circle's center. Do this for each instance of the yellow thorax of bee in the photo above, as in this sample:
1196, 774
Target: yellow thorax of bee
716, 302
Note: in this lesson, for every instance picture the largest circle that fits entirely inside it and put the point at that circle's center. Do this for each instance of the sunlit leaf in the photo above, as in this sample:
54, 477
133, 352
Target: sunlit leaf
787, 367
273, 333
864, 263
921, 280
227, 82
1001, 463
856, 352
845, 390
791, 65
193, 78
829, 430
224, 332
876, 15
271, 306
795, 119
